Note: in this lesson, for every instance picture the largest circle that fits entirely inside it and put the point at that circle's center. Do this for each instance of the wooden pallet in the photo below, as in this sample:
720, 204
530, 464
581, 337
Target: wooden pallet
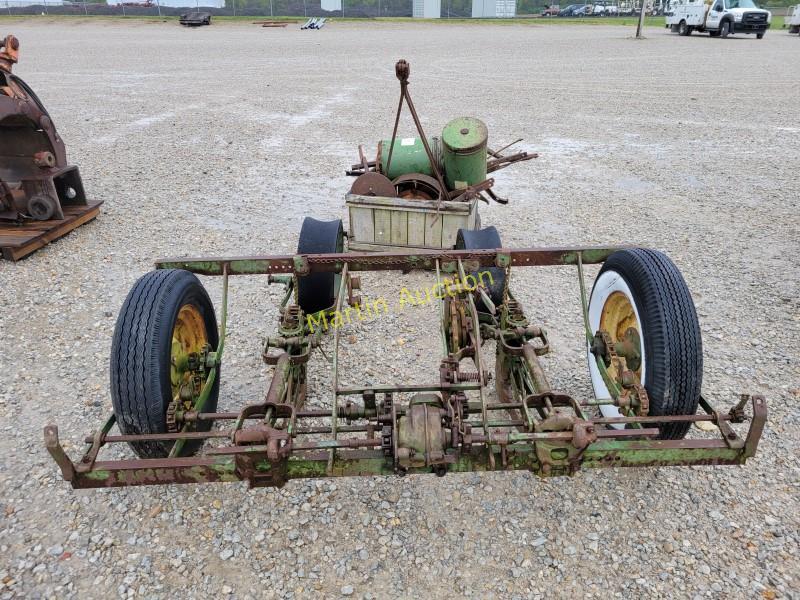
18, 241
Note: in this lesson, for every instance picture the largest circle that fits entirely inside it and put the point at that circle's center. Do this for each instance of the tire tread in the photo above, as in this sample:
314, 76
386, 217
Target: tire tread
136, 355
673, 377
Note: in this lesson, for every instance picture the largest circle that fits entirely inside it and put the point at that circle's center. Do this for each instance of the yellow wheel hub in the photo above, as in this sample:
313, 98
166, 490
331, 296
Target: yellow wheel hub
189, 337
617, 317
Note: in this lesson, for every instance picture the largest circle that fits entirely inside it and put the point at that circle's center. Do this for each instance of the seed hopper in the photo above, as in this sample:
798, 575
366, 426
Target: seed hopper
642, 341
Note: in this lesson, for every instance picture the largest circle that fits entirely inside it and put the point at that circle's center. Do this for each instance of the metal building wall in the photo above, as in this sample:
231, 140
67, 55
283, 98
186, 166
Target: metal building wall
490, 9
427, 9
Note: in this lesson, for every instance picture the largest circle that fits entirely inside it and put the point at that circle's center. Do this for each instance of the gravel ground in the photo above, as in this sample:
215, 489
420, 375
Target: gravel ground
219, 141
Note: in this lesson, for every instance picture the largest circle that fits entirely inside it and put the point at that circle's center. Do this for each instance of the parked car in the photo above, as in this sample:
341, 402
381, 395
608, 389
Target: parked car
601, 9
567, 10
195, 18
552, 10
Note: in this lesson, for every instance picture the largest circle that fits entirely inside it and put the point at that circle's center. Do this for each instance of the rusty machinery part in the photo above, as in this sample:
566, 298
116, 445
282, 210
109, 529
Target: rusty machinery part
448, 423
403, 70
353, 286
33, 160
171, 417
373, 184
623, 367
416, 186
422, 436
458, 160
42, 207
387, 431
9, 54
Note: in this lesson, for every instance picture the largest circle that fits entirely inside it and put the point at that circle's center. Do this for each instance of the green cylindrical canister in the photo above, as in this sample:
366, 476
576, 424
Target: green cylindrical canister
408, 156
464, 148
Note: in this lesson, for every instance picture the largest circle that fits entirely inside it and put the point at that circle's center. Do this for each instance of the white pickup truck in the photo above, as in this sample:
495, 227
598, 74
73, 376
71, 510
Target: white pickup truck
792, 20
720, 18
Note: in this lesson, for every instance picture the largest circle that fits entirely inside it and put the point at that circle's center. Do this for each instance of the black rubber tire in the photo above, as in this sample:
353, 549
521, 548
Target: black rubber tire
683, 29
140, 356
673, 347
317, 291
759, 36
725, 29
481, 239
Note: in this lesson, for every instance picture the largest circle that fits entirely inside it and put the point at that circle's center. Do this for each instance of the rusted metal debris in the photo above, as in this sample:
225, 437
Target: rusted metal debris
446, 425
36, 181
433, 179
41, 194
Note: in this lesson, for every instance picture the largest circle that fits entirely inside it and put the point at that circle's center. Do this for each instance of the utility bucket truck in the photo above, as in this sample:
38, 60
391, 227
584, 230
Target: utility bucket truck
719, 18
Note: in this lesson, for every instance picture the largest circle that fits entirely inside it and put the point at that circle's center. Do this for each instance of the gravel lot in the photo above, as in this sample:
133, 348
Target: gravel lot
219, 141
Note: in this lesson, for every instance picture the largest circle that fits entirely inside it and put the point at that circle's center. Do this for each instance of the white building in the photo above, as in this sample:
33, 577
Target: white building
490, 9
426, 9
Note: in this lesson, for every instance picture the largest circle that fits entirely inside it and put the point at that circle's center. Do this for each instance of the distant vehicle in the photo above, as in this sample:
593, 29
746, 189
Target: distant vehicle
314, 23
602, 9
792, 20
567, 10
552, 10
581, 10
195, 18
721, 19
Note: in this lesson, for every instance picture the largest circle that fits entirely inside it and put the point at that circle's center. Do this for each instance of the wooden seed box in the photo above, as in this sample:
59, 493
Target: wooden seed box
383, 224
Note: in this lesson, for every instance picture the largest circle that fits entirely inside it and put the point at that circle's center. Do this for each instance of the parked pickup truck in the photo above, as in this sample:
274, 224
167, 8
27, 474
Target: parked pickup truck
720, 19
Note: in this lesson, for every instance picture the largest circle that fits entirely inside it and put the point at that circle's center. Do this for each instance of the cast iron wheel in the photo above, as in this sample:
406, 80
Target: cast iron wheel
166, 317
725, 29
642, 289
481, 239
317, 291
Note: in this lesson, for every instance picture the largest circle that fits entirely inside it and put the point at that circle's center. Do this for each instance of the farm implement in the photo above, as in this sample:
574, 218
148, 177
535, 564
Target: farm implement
473, 414
41, 194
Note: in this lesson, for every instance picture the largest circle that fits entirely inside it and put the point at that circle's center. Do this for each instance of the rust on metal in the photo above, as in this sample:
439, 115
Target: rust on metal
445, 426
37, 184
373, 184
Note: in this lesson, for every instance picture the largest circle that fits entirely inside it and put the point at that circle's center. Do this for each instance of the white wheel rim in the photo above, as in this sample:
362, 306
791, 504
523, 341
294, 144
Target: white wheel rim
608, 283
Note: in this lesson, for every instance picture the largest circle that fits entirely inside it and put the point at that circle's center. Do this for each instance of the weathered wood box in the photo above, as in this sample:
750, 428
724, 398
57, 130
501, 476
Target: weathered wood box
383, 224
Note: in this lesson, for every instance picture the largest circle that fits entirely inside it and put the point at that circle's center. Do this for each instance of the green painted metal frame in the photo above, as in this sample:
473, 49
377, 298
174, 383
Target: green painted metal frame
502, 444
